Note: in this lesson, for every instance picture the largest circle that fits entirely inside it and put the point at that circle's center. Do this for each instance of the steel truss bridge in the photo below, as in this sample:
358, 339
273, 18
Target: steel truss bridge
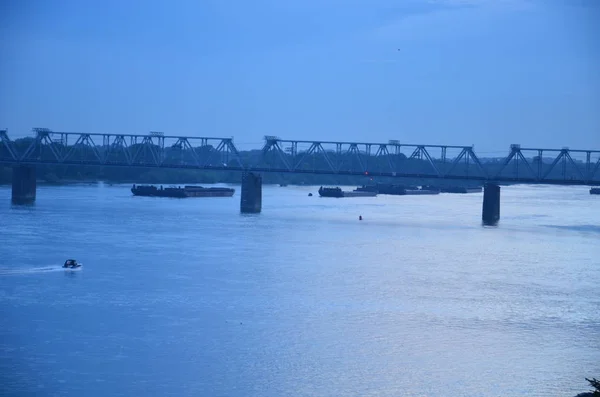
392, 159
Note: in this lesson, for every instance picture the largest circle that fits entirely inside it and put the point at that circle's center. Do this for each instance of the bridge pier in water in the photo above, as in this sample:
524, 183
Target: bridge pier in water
23, 184
491, 204
251, 200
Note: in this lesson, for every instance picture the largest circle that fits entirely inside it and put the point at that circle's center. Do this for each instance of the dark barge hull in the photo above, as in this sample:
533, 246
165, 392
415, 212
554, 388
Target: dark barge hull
460, 189
331, 192
398, 190
338, 192
177, 192
401, 190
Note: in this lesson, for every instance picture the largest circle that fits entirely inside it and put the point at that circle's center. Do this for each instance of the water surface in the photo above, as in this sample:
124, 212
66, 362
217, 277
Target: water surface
189, 297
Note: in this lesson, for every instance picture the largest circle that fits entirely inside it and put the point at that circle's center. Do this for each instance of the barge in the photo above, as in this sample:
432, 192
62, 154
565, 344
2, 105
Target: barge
179, 192
398, 190
461, 189
338, 192
409, 192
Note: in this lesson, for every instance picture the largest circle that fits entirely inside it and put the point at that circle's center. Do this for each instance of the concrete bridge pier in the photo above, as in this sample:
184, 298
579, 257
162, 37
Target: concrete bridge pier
251, 201
491, 204
23, 184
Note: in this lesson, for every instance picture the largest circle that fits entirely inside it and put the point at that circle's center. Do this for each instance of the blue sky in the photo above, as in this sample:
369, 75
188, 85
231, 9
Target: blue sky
482, 72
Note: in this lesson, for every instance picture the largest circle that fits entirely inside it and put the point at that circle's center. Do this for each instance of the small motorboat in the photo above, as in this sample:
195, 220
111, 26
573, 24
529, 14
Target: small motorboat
72, 264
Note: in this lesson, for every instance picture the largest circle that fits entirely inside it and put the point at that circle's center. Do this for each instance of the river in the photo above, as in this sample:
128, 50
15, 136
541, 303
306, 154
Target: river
188, 297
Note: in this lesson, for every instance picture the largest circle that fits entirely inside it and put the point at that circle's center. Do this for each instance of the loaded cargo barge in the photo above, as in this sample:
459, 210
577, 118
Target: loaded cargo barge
398, 190
461, 189
178, 192
595, 190
338, 192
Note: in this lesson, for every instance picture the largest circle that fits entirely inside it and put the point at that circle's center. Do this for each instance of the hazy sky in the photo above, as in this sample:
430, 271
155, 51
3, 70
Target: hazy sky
483, 72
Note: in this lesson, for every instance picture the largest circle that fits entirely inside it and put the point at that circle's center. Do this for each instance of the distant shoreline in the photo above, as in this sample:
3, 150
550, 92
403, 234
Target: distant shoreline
268, 179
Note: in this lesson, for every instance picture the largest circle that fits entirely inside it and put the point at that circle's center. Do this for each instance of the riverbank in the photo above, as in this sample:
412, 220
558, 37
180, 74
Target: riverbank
62, 175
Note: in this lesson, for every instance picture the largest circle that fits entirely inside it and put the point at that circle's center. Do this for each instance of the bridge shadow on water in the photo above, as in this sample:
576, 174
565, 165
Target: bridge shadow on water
249, 214
494, 226
22, 205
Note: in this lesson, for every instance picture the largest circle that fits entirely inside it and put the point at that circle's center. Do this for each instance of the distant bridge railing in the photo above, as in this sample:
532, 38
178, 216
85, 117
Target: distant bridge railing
392, 159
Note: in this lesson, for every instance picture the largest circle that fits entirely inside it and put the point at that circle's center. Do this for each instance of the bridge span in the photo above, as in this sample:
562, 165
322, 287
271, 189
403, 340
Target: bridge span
393, 159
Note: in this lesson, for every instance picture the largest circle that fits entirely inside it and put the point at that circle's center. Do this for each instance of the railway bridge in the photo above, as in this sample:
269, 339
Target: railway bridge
393, 159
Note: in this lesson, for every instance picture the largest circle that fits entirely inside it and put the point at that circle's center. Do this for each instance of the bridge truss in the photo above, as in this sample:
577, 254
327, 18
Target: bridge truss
392, 159
153, 150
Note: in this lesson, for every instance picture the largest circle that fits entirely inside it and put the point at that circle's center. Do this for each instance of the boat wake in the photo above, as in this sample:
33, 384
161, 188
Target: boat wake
34, 270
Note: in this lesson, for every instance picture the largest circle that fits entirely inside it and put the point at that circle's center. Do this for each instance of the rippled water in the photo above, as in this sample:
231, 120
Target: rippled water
189, 297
